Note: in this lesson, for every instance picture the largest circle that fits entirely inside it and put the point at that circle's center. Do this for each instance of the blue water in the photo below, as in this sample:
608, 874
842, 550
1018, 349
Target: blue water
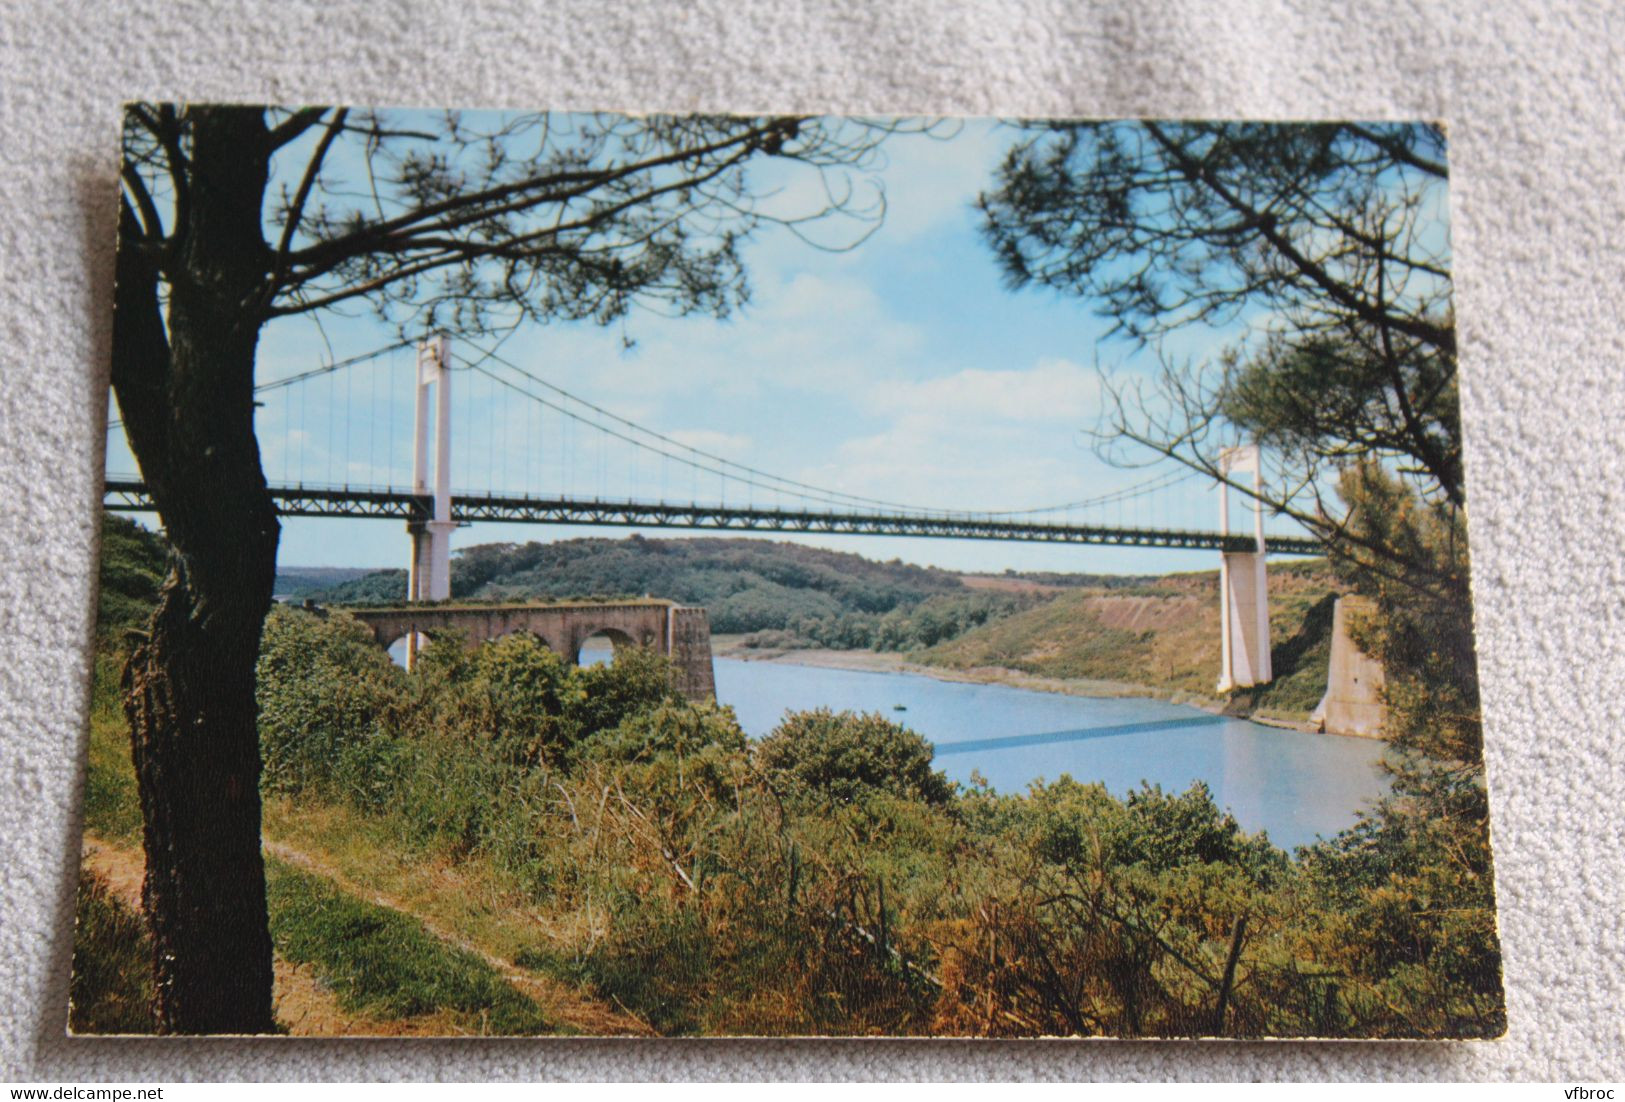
1295, 786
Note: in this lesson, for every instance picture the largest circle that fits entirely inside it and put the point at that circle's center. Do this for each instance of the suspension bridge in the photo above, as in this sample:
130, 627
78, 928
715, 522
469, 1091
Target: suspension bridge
334, 439
127, 494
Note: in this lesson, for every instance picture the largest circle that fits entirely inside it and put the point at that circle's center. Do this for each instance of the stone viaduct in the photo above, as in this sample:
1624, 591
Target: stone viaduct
682, 634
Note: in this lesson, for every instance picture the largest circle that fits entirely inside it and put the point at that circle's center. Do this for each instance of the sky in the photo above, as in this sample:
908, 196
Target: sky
902, 370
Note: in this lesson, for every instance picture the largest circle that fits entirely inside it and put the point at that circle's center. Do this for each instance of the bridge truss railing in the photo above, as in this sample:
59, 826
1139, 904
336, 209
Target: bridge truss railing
385, 502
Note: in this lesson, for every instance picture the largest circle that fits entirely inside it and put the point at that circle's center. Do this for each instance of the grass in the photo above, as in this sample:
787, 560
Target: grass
374, 854
380, 962
469, 894
387, 964
375, 960
112, 808
111, 989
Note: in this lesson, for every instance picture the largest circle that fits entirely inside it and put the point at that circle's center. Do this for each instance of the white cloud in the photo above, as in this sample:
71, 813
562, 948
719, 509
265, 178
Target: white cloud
803, 331
980, 438
985, 437
925, 180
728, 445
932, 463
931, 182
1052, 390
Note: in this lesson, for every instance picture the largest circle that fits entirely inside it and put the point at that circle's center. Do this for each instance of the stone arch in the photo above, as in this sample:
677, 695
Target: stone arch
554, 636
618, 639
682, 633
532, 630
398, 638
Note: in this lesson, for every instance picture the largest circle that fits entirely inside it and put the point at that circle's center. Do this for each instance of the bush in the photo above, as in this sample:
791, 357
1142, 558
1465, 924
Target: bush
844, 757
133, 564
1164, 831
723, 908
638, 681
324, 686
673, 727
513, 693
1114, 917
828, 880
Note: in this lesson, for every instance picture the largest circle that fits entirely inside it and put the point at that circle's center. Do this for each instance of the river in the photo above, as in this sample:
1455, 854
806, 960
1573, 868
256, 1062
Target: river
1295, 786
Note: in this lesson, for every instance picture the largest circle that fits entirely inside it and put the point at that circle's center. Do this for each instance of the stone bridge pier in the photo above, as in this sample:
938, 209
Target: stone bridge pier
681, 634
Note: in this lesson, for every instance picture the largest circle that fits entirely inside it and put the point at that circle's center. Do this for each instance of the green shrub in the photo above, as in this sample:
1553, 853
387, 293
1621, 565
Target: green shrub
843, 757
1162, 831
1112, 916
324, 686
513, 696
828, 880
133, 564
672, 727
639, 680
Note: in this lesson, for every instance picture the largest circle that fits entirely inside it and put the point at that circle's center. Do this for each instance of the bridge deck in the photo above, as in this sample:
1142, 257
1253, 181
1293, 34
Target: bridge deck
330, 501
509, 606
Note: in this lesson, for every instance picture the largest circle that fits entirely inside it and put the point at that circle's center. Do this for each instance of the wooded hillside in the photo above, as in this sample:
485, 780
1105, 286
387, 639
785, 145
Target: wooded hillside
747, 585
1162, 633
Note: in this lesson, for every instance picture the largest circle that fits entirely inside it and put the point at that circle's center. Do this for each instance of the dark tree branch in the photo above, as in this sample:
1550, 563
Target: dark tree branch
1267, 227
296, 124
152, 223
459, 251
1182, 446
296, 211
140, 370
166, 128
1421, 444
1399, 151
473, 207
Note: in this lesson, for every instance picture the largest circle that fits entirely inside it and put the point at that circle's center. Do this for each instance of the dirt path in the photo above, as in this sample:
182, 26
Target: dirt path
302, 1004
309, 1009
562, 1002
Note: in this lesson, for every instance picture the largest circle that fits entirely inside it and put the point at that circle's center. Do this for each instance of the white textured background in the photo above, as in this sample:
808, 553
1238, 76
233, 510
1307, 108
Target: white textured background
1533, 93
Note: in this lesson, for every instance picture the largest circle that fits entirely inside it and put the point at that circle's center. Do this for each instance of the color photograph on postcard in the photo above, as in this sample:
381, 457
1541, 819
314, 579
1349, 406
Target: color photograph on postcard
671, 575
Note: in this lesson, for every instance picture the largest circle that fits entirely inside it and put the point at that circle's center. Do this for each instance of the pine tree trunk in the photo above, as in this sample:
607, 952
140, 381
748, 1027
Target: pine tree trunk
190, 701
185, 389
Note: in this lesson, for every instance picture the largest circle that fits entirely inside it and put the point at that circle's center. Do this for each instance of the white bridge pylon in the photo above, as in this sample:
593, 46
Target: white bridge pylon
1243, 585
430, 575
1244, 600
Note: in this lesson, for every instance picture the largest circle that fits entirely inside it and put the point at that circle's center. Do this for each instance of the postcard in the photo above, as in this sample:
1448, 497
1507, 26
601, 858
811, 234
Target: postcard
652, 575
